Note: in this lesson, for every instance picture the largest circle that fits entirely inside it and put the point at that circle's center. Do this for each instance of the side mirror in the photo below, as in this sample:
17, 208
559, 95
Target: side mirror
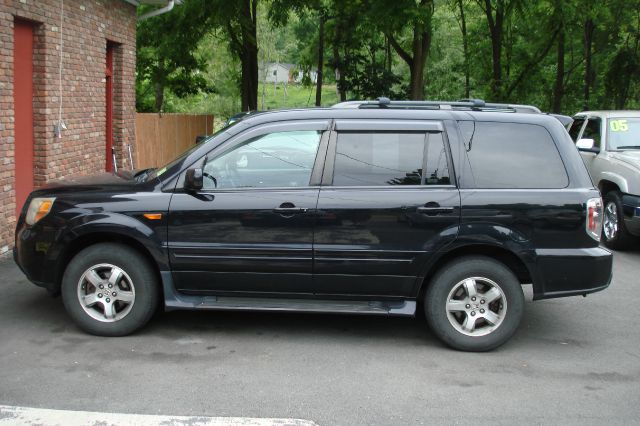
586, 145
193, 180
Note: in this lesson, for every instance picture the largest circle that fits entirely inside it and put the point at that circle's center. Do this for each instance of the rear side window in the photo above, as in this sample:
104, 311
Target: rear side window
435, 163
513, 155
387, 158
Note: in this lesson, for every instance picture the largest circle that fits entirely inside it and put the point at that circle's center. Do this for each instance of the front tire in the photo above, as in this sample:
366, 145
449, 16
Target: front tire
614, 233
109, 289
474, 304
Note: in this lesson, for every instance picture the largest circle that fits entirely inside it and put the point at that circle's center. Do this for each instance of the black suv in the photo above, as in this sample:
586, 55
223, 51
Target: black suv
372, 207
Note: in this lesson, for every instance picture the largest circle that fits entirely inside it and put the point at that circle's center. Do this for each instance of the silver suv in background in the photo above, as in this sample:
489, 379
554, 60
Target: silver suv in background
609, 143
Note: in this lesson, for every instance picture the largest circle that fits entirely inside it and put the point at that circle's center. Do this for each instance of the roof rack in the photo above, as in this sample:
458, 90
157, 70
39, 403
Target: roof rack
461, 105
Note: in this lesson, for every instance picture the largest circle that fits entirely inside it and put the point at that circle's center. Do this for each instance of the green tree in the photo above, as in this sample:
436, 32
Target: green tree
497, 13
166, 54
237, 21
407, 19
623, 71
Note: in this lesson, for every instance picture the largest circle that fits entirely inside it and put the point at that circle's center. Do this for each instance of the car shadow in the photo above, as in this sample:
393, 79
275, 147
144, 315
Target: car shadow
40, 315
294, 325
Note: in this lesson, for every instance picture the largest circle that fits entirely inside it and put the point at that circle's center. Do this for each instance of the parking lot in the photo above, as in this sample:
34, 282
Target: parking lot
573, 361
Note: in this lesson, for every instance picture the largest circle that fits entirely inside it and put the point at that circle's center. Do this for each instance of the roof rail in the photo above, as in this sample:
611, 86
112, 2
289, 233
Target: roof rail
461, 105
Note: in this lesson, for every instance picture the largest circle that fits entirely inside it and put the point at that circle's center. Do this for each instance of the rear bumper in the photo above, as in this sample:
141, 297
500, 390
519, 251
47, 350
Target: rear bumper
631, 209
571, 272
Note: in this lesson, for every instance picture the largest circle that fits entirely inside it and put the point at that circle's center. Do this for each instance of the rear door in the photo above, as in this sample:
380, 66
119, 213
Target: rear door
516, 191
250, 229
388, 201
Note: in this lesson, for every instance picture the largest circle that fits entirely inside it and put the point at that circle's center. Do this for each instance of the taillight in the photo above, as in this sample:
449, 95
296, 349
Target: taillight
594, 218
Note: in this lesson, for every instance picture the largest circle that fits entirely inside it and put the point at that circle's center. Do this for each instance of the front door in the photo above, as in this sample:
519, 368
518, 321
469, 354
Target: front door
592, 130
387, 203
250, 230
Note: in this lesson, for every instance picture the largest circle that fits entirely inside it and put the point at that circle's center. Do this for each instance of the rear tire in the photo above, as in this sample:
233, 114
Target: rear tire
110, 289
474, 304
614, 232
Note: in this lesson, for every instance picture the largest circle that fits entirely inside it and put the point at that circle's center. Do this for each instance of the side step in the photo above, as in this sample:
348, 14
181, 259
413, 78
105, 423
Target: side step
176, 301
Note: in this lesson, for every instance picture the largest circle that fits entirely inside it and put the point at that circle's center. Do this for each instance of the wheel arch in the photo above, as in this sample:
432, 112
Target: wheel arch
606, 186
76, 245
501, 254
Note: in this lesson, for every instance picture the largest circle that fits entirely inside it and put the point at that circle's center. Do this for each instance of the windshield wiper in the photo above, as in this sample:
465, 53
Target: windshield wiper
629, 147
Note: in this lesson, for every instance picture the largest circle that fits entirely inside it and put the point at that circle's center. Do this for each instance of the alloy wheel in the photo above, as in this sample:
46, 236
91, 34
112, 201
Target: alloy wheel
610, 226
476, 306
106, 292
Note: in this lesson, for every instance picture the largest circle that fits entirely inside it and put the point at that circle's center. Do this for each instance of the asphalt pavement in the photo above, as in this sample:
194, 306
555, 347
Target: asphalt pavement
573, 361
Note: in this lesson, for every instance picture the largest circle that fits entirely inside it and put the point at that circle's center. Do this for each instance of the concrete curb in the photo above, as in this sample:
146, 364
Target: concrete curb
10, 415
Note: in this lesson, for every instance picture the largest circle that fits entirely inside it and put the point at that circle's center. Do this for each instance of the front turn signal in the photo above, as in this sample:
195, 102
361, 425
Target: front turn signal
153, 216
38, 208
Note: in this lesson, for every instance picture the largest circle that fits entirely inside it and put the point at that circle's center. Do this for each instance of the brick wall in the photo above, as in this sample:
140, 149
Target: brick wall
87, 27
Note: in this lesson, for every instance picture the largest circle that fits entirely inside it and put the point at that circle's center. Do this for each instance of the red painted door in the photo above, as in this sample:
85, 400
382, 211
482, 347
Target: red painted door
23, 104
109, 108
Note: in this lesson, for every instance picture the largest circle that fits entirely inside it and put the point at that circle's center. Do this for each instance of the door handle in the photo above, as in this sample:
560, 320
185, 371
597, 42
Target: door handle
432, 211
289, 209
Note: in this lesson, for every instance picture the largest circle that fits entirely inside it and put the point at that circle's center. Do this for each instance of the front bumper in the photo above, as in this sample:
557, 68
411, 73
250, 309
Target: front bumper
572, 272
631, 210
37, 255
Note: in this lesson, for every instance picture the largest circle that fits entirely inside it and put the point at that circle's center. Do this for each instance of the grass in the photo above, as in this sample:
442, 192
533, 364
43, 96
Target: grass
222, 106
295, 96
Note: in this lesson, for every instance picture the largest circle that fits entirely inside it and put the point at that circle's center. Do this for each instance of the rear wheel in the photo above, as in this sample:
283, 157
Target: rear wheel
109, 290
474, 304
614, 233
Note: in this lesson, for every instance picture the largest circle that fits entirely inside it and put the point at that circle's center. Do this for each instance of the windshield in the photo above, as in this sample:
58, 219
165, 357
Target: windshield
623, 133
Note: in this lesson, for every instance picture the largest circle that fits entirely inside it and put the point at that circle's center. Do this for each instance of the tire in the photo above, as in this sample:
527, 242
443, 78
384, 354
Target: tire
132, 280
474, 325
614, 232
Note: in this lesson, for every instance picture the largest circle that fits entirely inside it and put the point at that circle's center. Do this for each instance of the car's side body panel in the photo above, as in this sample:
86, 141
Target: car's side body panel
104, 213
234, 241
376, 241
541, 231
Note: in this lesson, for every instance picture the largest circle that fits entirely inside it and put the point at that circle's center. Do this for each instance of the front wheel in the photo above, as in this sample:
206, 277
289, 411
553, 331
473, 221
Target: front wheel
474, 304
109, 290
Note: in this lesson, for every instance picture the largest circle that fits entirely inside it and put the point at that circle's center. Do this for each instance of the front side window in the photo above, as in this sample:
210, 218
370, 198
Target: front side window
386, 158
624, 133
574, 130
274, 160
592, 131
513, 155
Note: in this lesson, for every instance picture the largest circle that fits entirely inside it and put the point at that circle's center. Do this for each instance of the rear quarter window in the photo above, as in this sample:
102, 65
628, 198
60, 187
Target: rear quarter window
514, 155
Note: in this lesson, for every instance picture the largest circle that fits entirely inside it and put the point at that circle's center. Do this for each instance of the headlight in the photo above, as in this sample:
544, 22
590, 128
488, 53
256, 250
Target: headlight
38, 208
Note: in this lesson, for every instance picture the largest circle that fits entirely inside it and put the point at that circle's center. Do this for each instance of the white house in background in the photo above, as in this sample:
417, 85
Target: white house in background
284, 73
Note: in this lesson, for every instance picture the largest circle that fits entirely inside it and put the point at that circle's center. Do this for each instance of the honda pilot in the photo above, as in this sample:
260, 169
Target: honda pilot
377, 207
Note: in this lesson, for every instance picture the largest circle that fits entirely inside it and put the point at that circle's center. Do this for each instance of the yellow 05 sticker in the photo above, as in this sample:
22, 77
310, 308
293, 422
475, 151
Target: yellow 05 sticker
618, 125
